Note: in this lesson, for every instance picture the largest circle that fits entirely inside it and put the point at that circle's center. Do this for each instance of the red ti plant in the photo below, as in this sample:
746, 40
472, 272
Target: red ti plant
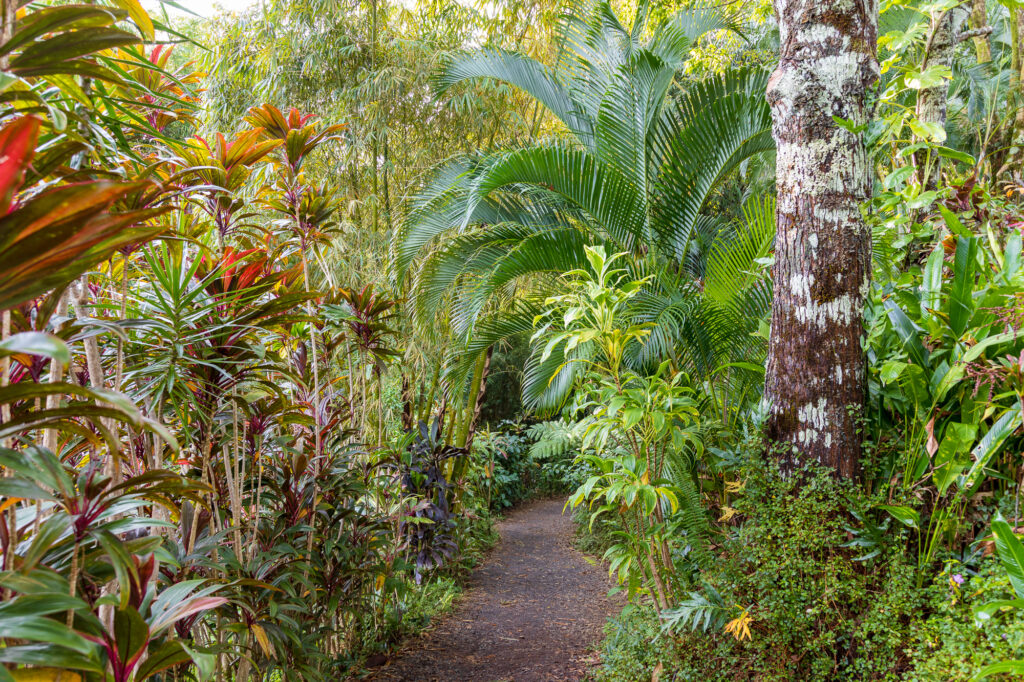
308, 211
51, 237
140, 625
220, 171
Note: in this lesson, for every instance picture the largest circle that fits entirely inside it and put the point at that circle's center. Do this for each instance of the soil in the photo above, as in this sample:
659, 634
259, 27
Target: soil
533, 612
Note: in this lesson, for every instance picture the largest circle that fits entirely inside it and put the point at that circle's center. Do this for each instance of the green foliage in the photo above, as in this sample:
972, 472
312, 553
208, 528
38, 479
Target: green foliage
950, 644
643, 154
813, 610
634, 647
222, 318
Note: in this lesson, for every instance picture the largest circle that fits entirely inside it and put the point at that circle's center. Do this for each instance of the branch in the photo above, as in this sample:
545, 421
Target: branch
973, 33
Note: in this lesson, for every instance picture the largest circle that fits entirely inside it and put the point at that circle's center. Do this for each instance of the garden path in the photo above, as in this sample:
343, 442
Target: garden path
533, 611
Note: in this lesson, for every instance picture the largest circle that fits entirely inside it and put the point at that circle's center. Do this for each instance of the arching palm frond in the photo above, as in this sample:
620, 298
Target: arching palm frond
732, 265
521, 72
501, 324
613, 202
643, 156
547, 383
710, 321
712, 127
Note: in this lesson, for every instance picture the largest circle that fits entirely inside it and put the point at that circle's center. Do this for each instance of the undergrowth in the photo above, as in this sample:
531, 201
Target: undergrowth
815, 612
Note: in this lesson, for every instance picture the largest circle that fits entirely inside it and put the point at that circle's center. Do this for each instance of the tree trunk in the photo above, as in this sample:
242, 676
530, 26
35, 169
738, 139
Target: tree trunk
1015, 96
943, 36
476, 385
478, 405
979, 20
407, 399
816, 367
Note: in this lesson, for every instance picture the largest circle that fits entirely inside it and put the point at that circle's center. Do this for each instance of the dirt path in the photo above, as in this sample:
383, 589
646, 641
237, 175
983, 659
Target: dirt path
531, 613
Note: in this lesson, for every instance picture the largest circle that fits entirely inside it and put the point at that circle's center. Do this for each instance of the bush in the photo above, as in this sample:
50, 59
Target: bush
949, 644
816, 612
516, 462
634, 646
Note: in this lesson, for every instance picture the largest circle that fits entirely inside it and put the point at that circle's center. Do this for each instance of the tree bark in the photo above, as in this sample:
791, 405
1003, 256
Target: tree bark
478, 405
1015, 155
943, 36
979, 20
816, 379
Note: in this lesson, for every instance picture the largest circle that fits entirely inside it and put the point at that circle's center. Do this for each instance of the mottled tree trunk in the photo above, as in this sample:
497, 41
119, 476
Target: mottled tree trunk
979, 20
1015, 96
816, 380
943, 35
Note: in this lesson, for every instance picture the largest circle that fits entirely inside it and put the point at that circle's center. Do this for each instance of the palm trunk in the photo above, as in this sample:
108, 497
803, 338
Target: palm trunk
471, 400
407, 402
816, 367
478, 404
424, 413
477, 387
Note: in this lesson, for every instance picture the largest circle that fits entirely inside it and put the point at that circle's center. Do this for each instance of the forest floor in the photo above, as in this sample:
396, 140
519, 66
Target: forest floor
533, 611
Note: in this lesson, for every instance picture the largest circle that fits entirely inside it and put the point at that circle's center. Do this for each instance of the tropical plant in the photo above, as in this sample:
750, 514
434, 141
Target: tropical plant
645, 149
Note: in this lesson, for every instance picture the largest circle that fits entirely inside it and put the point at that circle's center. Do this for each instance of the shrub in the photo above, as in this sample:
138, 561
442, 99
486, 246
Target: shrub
816, 612
949, 644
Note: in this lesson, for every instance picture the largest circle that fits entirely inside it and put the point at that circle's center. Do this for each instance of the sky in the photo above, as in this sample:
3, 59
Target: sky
203, 8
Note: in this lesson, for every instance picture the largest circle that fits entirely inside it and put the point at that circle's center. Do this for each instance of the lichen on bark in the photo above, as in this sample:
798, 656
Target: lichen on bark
815, 379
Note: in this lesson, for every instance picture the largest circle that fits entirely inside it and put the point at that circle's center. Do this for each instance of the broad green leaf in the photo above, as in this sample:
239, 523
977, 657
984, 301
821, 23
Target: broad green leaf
44, 675
39, 629
1012, 667
169, 654
891, 371
36, 343
961, 301
977, 349
909, 333
20, 488
631, 416
929, 130
990, 444
933, 75
130, 632
953, 223
931, 283
898, 177
951, 457
50, 655
1011, 553
957, 155
985, 611
1011, 256
40, 604
905, 515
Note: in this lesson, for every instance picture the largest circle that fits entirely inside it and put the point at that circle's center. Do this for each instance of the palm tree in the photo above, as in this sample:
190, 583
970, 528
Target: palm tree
644, 150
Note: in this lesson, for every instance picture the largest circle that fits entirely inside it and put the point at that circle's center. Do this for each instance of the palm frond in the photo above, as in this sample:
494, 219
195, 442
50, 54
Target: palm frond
711, 128
521, 72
